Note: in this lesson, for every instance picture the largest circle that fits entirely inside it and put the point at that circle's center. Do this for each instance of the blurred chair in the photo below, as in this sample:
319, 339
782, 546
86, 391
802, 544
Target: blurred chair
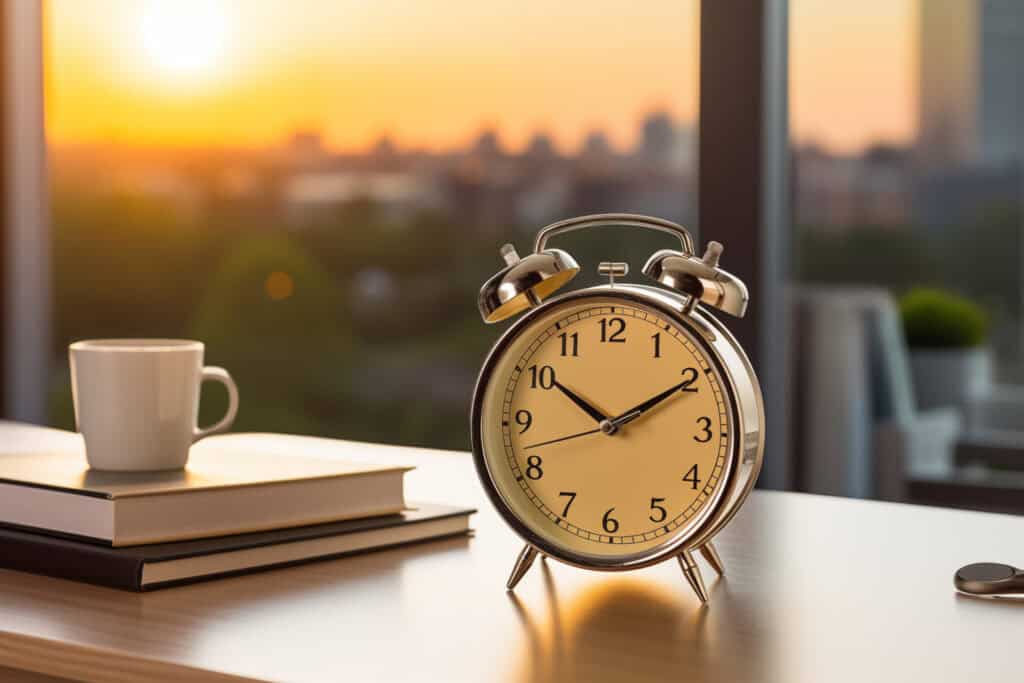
856, 429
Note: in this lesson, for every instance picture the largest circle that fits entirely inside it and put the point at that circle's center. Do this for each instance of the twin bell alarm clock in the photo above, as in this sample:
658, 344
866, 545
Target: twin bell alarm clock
619, 425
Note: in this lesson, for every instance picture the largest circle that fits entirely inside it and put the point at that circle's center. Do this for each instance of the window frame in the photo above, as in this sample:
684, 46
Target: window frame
743, 181
4, 146
25, 285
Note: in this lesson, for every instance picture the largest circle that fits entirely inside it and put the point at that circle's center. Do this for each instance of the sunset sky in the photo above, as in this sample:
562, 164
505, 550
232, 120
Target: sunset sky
433, 73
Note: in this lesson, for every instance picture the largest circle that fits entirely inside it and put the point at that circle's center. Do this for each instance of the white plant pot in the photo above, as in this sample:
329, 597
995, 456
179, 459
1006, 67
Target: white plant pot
950, 377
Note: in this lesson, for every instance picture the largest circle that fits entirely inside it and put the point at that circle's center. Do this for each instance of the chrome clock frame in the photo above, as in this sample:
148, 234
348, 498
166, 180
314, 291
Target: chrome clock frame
746, 438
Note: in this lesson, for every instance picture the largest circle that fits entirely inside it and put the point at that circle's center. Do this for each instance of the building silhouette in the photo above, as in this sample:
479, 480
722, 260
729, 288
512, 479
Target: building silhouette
971, 83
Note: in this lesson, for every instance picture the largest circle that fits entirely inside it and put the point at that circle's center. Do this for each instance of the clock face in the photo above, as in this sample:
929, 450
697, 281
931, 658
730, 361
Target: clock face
606, 428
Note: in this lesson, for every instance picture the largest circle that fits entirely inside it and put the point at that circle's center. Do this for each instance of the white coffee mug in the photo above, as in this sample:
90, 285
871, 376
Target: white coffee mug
137, 401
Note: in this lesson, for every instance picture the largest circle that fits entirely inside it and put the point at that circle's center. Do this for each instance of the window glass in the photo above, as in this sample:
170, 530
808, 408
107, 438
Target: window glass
908, 131
907, 126
318, 189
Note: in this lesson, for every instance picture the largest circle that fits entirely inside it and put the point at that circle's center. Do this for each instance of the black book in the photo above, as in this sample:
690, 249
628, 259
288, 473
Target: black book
146, 567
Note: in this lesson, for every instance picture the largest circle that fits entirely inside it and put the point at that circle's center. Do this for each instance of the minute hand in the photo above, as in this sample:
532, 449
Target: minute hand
641, 408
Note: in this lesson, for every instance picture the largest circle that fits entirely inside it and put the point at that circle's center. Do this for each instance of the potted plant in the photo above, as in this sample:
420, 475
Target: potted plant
946, 333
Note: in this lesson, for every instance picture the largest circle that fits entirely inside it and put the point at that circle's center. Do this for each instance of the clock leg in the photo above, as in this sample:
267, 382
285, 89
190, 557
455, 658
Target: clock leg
523, 564
692, 573
714, 559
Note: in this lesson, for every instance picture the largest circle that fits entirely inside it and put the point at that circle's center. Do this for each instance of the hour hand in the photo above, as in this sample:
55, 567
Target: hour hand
587, 407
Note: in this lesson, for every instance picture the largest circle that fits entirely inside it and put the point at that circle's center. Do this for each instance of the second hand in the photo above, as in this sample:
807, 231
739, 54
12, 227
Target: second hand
563, 438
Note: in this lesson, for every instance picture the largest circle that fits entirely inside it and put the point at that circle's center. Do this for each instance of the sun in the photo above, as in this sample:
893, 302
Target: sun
184, 39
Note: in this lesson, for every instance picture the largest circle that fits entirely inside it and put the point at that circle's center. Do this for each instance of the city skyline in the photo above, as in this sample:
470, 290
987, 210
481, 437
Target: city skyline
194, 73
540, 142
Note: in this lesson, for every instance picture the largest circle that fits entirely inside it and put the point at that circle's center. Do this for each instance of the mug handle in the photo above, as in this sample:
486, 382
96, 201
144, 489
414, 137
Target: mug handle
215, 374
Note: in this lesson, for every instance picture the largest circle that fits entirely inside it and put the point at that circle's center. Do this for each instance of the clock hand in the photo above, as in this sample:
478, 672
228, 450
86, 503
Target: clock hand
641, 408
587, 407
563, 438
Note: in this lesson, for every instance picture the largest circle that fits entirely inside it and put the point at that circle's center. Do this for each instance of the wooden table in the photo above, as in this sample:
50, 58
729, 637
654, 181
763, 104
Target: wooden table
818, 589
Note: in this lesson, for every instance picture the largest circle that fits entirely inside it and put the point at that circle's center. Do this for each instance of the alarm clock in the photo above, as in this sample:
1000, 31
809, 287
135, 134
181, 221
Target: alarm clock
620, 425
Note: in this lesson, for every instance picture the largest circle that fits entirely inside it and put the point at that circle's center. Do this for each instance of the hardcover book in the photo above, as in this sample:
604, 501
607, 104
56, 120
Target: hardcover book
233, 484
142, 568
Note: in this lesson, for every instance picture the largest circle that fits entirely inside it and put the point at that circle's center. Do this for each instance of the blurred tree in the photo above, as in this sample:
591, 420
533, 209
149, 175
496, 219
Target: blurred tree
277, 321
892, 256
980, 259
433, 264
984, 259
127, 266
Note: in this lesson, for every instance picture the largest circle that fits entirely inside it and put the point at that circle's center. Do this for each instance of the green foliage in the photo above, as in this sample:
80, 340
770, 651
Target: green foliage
905, 257
134, 265
275, 347
127, 266
933, 318
400, 369
238, 311
983, 259
895, 257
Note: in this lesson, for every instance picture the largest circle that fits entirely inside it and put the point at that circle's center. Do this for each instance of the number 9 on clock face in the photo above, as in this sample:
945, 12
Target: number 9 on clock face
606, 427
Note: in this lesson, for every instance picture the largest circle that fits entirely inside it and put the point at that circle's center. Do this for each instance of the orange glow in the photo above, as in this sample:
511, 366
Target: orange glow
428, 73
853, 72
433, 73
279, 286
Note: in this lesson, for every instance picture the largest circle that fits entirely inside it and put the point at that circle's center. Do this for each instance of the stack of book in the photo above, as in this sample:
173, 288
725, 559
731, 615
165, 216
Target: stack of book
245, 502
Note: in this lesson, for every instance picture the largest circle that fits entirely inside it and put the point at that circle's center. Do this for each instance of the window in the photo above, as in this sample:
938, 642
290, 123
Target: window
318, 189
908, 163
908, 148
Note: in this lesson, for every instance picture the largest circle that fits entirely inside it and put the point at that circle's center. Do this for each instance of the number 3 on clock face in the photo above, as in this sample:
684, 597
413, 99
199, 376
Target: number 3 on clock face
606, 427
